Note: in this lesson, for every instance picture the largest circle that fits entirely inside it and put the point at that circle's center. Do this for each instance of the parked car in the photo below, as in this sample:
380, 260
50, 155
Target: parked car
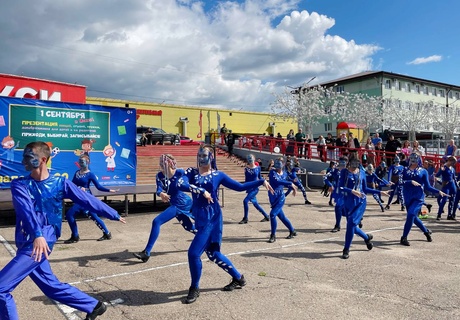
155, 135
187, 141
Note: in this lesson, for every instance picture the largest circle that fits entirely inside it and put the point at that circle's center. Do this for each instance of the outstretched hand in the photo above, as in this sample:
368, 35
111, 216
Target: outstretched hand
358, 193
269, 187
415, 183
208, 196
122, 220
40, 247
165, 197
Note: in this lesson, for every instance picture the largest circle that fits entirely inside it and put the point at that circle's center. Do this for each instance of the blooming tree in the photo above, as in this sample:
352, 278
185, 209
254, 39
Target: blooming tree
445, 119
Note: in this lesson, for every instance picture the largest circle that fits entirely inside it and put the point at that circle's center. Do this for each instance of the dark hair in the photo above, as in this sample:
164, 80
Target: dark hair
40, 147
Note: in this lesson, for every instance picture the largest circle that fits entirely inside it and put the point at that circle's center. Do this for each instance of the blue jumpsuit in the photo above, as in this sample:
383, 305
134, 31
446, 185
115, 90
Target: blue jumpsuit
394, 172
456, 200
84, 181
208, 219
374, 182
292, 176
38, 206
252, 174
278, 181
354, 206
449, 186
415, 197
331, 179
180, 206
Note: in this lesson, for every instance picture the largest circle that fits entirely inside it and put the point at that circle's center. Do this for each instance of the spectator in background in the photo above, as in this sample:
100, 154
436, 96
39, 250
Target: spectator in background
290, 148
370, 152
321, 145
330, 142
149, 135
223, 134
405, 149
342, 143
390, 149
376, 139
417, 148
300, 140
230, 142
450, 149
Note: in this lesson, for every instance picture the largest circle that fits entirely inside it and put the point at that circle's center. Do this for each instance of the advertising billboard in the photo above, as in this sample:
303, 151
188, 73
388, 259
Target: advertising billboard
106, 134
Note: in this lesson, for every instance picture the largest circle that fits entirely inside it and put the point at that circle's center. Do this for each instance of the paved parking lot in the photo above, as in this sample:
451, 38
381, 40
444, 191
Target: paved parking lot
301, 278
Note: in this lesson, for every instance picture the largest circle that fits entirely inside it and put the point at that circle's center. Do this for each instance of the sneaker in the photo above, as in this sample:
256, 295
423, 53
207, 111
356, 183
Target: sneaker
423, 216
404, 241
403, 208
193, 294
450, 218
265, 219
142, 256
368, 241
428, 235
438, 218
428, 206
72, 239
396, 202
291, 235
360, 225
307, 202
105, 236
331, 204
346, 254
244, 221
336, 229
99, 309
235, 284
387, 207
382, 208
272, 238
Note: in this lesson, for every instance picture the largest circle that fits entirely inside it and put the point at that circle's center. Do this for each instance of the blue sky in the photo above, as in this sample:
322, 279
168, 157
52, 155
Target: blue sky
225, 54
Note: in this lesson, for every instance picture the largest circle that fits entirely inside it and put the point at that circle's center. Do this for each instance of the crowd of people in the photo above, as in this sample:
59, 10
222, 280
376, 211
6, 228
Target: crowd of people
39, 219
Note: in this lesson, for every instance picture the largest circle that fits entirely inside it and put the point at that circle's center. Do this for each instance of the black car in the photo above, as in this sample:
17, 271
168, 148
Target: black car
154, 136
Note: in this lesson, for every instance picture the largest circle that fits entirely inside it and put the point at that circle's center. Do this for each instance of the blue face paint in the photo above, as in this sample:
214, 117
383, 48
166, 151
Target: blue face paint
83, 163
204, 157
278, 164
30, 160
342, 164
414, 158
250, 159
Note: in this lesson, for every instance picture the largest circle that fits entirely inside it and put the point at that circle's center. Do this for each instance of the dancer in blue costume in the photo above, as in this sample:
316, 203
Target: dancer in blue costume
332, 180
278, 180
292, 169
252, 173
83, 179
374, 182
37, 200
204, 182
449, 187
394, 172
180, 203
415, 181
353, 187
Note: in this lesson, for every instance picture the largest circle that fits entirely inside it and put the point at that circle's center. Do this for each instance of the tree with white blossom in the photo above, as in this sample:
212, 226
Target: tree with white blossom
445, 119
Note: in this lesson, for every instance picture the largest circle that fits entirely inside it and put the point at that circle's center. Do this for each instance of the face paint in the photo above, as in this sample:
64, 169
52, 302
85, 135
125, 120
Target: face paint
83, 163
30, 160
204, 157
354, 164
250, 159
342, 164
414, 158
278, 164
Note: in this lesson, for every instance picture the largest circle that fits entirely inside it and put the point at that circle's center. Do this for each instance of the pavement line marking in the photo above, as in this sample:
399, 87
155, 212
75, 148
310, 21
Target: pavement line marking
8, 246
203, 260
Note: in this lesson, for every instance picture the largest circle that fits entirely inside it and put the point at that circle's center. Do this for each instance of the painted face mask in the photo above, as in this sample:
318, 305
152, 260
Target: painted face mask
204, 157
342, 164
250, 159
278, 164
30, 160
83, 163
354, 163
397, 160
414, 158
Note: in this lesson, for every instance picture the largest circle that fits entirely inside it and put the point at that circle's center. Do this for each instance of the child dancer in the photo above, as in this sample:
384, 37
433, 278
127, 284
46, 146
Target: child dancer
394, 173
449, 187
292, 168
332, 182
374, 182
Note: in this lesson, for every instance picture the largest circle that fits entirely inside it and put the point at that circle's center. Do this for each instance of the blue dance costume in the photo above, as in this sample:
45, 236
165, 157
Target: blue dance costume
278, 181
180, 206
292, 177
252, 174
449, 186
414, 197
38, 206
374, 182
84, 180
208, 219
331, 179
354, 206
394, 173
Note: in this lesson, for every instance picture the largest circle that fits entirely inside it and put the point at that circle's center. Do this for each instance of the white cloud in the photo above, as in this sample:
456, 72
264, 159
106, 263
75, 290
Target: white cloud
233, 55
433, 58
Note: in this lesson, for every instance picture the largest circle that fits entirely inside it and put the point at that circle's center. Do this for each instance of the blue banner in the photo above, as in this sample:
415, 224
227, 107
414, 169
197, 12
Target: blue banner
106, 134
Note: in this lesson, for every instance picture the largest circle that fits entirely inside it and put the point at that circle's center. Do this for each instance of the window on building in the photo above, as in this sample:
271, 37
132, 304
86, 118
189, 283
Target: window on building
328, 127
451, 94
388, 84
397, 85
434, 92
417, 88
340, 89
457, 95
441, 93
425, 90
407, 87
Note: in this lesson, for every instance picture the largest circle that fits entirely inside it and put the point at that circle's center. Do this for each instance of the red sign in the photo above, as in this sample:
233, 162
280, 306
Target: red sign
32, 88
149, 112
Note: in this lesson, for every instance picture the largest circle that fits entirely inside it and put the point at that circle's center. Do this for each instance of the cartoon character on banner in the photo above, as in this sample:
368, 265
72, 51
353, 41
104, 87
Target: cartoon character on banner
9, 146
110, 153
54, 152
86, 146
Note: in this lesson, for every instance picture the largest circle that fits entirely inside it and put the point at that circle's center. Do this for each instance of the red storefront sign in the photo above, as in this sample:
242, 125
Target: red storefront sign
32, 88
